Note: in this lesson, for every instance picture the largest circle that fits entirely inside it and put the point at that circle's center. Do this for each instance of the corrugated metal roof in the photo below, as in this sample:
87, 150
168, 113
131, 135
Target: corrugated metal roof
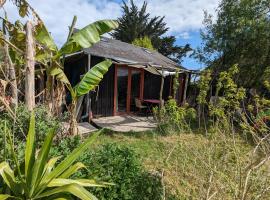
128, 53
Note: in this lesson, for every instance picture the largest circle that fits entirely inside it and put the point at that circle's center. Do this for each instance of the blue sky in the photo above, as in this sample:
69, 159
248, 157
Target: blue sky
183, 17
195, 41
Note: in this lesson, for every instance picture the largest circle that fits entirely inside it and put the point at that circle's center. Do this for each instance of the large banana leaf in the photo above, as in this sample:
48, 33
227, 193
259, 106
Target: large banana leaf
74, 189
87, 36
59, 75
44, 38
92, 78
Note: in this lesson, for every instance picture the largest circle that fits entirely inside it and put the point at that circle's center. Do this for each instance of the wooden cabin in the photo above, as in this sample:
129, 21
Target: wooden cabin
135, 73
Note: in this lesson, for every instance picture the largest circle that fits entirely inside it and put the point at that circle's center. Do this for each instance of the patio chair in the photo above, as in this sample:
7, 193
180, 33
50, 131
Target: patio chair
141, 107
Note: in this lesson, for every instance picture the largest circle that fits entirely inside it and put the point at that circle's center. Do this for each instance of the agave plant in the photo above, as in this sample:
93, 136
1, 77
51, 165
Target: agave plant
39, 177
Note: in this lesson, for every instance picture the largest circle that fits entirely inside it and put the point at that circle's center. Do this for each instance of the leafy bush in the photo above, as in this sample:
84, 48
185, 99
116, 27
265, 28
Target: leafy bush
116, 164
120, 165
44, 121
172, 118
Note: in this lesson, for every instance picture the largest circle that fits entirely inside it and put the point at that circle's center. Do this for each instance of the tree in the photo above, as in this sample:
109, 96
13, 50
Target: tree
174, 52
136, 23
240, 35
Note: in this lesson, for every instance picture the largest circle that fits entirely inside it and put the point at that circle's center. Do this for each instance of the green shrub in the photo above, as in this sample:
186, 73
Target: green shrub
173, 118
44, 121
120, 165
116, 164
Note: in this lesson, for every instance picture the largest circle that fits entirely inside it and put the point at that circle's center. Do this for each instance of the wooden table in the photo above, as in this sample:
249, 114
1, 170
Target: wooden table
152, 101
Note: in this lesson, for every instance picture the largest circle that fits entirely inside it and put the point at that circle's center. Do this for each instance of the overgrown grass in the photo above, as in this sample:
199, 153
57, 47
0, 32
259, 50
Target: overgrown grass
194, 166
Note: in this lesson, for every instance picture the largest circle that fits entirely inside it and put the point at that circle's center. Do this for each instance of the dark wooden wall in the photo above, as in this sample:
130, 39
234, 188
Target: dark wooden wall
102, 98
74, 67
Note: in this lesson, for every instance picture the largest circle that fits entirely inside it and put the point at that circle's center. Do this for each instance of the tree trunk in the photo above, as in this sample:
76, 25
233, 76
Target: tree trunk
30, 68
12, 77
73, 126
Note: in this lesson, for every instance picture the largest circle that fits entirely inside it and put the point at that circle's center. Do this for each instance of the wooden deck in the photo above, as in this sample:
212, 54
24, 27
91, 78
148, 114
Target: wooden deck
126, 123
83, 128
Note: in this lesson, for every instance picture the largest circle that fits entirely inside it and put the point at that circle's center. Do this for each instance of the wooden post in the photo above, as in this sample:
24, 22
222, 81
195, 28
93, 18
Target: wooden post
185, 88
161, 89
89, 103
142, 85
30, 68
115, 100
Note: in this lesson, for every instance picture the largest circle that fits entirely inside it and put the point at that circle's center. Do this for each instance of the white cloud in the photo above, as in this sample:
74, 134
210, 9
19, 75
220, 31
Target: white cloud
58, 14
184, 35
181, 16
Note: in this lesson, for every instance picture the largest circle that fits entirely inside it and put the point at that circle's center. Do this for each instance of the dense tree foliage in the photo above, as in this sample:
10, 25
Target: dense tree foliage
136, 23
240, 35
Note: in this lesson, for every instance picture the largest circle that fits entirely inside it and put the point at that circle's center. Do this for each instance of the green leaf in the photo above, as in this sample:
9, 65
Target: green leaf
30, 149
87, 36
40, 162
44, 37
82, 182
50, 165
73, 189
23, 9
73, 169
60, 197
92, 78
5, 196
65, 164
9, 178
59, 75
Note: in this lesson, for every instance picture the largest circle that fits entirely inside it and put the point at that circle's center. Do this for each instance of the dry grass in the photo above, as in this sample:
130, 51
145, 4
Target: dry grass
195, 166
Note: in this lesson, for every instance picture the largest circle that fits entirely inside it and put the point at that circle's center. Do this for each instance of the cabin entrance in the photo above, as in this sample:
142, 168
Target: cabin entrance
128, 86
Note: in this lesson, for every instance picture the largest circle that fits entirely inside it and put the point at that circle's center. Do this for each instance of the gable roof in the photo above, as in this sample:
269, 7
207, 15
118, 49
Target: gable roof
123, 52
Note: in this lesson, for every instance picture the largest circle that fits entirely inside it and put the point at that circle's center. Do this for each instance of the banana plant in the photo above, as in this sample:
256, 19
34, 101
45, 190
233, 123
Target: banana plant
83, 38
39, 177
53, 57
